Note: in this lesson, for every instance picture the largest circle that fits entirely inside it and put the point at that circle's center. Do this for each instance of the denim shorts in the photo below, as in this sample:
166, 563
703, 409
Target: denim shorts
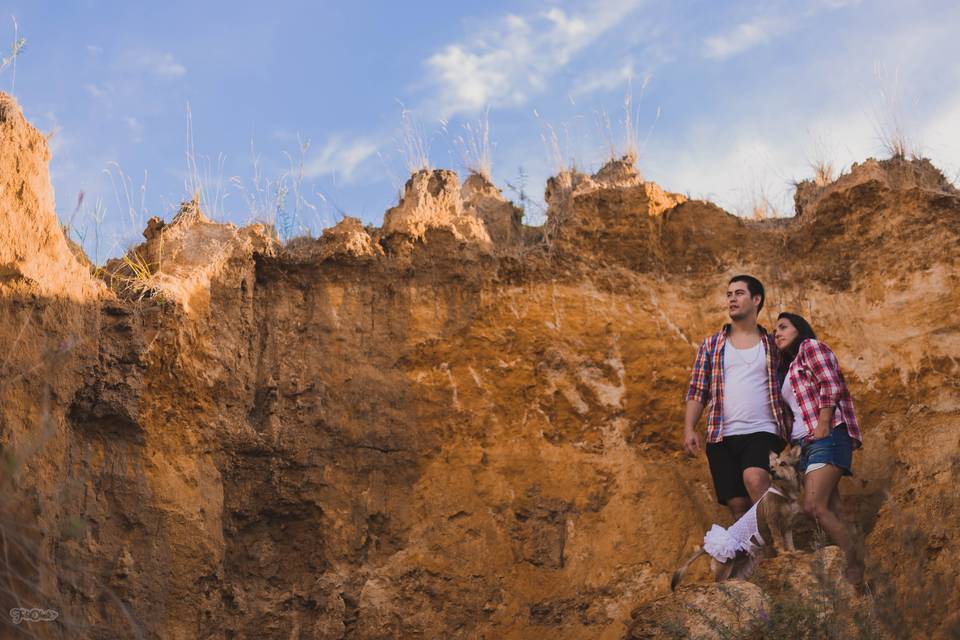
835, 449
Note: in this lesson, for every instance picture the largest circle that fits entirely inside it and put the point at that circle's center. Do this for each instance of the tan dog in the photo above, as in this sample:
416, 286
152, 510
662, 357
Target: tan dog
774, 513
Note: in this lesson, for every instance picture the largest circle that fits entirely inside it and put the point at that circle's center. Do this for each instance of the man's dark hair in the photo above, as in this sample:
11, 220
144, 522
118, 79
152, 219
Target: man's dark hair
804, 332
754, 286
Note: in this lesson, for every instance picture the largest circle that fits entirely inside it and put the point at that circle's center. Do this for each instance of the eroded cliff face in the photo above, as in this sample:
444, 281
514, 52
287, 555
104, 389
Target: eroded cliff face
454, 426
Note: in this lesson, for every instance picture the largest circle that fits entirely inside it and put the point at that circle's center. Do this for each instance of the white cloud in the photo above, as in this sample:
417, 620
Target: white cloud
605, 80
508, 63
136, 129
98, 91
940, 137
741, 38
763, 29
56, 140
735, 161
839, 4
339, 156
158, 63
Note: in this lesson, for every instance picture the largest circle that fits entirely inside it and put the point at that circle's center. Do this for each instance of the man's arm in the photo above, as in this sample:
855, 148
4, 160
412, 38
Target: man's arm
691, 439
696, 398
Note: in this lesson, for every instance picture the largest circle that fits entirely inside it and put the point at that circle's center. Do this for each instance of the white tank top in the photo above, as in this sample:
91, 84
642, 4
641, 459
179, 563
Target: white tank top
799, 429
746, 405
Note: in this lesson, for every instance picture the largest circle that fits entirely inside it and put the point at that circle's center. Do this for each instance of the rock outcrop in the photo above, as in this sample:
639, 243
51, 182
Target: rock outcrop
432, 204
501, 218
180, 261
419, 431
33, 248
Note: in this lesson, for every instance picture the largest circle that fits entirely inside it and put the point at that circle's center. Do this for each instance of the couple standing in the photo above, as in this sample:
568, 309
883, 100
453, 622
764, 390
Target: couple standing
763, 391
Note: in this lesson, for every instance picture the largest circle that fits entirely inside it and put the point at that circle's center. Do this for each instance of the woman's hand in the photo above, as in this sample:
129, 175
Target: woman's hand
822, 431
824, 424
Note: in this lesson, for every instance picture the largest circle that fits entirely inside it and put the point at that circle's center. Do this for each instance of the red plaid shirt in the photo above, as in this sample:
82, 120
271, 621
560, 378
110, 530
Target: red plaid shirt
817, 383
706, 382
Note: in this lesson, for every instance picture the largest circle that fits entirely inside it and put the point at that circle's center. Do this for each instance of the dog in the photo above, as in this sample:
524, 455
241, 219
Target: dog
733, 557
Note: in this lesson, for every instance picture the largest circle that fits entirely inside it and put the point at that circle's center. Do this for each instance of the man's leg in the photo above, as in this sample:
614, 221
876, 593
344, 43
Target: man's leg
757, 481
727, 478
755, 461
738, 506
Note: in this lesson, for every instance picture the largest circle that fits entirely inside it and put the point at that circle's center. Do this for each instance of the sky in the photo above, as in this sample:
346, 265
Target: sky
298, 113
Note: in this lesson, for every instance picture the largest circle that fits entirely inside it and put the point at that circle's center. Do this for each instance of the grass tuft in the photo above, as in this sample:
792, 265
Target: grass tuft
413, 142
474, 147
16, 49
890, 124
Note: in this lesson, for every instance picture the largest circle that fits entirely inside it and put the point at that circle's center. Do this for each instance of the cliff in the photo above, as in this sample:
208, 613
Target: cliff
452, 426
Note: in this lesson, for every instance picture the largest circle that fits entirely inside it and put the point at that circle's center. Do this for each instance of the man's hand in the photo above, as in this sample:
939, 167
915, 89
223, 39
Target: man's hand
691, 442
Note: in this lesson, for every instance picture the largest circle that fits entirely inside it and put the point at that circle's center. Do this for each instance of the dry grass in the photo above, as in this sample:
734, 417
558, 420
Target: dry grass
475, 148
135, 277
890, 124
204, 176
823, 172
268, 200
136, 211
413, 142
16, 49
760, 207
632, 144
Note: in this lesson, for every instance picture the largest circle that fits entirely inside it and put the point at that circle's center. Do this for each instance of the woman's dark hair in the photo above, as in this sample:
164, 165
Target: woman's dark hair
804, 332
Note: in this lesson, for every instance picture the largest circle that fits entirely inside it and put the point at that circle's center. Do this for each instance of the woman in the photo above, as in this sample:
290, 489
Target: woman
824, 424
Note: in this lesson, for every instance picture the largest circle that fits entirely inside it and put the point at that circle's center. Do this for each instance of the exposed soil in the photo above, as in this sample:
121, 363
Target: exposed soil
453, 426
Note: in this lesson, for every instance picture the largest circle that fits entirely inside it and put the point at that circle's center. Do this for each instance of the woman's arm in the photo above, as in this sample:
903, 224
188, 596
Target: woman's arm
822, 364
824, 423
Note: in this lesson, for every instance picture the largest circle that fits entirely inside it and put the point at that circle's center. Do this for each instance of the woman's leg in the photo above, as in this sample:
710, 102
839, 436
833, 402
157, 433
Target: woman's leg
820, 501
854, 566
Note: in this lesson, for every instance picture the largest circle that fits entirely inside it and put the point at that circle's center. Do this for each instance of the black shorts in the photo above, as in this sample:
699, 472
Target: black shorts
729, 457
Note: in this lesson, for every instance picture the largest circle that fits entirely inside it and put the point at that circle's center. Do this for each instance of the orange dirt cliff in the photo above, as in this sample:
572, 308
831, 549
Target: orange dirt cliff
456, 425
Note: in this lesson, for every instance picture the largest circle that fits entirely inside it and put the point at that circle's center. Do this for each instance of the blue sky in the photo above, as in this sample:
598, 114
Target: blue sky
733, 100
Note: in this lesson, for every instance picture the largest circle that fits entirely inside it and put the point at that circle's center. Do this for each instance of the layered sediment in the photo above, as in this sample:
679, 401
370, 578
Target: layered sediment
453, 425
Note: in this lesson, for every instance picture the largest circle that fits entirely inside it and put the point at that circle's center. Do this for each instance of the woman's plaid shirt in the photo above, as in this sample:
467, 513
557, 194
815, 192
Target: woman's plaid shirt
706, 382
817, 382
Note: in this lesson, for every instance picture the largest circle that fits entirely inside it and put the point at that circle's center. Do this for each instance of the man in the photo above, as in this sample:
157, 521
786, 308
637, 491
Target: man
734, 373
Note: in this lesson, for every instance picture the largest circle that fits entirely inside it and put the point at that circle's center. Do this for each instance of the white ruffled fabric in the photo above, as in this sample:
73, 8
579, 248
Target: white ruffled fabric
720, 544
743, 535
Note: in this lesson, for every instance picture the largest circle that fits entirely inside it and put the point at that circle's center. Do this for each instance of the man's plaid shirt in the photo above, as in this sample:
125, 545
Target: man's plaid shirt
817, 383
706, 382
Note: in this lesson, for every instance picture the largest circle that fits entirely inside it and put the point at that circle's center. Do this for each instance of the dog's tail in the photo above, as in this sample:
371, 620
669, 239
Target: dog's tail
678, 574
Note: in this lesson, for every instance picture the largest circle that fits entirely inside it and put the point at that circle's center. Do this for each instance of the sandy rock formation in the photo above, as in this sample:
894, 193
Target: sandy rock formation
500, 217
792, 595
33, 247
702, 611
432, 205
180, 261
403, 433
347, 240
613, 214
897, 173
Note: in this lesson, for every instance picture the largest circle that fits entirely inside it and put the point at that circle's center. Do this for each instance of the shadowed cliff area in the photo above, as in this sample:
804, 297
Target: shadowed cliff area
454, 425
